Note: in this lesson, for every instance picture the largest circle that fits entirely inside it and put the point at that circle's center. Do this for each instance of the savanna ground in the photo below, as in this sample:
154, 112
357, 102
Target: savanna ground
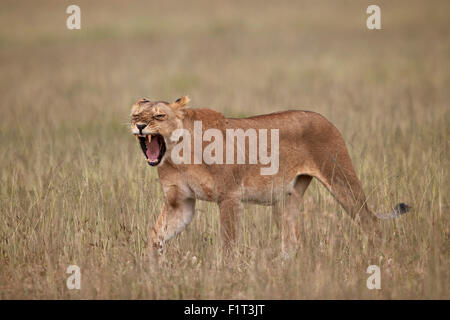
75, 188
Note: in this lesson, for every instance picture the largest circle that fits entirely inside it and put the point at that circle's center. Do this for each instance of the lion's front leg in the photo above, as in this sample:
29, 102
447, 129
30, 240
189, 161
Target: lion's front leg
174, 218
230, 211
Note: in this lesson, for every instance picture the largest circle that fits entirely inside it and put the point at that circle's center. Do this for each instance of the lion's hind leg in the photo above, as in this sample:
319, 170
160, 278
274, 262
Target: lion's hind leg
286, 213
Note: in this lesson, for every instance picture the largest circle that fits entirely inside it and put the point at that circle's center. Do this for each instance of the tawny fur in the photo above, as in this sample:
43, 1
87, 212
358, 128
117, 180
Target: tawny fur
310, 147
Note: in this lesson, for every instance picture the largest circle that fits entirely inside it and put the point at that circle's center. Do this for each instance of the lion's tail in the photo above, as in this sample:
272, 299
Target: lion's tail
398, 210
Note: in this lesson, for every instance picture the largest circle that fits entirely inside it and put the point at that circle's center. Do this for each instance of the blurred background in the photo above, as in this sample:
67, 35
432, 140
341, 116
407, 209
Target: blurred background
75, 188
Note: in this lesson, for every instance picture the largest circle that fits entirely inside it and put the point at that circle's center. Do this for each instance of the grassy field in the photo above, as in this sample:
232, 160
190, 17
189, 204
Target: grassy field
75, 189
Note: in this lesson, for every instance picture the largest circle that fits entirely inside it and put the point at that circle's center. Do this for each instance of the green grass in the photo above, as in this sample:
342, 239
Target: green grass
74, 188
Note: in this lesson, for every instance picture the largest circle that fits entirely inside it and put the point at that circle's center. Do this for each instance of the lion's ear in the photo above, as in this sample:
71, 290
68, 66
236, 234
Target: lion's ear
143, 100
181, 102
138, 104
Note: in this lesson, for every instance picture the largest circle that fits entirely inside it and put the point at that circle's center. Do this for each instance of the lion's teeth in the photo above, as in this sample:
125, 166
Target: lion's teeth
149, 137
137, 139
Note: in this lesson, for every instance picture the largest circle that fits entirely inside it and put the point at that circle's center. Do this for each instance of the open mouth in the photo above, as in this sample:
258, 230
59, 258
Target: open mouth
153, 147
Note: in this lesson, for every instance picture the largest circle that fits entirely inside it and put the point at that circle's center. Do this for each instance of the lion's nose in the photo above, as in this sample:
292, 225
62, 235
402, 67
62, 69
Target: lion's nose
140, 127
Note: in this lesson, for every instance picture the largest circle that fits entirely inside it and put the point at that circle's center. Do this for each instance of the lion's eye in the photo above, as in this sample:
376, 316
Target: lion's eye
160, 116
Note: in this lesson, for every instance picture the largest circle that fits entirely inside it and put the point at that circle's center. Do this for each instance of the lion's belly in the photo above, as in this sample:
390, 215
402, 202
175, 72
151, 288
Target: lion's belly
264, 195
250, 187
263, 192
267, 191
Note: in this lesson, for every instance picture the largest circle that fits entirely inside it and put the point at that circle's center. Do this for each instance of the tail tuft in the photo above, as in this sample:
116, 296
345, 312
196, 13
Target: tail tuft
398, 210
401, 208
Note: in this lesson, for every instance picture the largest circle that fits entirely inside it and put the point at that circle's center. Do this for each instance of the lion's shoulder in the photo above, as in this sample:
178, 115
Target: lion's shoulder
203, 114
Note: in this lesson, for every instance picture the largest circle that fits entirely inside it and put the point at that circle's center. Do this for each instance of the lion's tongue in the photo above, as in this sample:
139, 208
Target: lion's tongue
153, 149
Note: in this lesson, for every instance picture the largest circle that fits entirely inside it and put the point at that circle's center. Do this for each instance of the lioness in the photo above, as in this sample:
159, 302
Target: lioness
309, 147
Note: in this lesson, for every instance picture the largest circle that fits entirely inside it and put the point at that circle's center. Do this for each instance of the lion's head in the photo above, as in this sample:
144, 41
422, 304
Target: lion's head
152, 122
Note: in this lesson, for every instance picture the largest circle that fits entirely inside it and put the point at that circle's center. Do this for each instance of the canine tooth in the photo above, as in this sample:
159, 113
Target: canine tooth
149, 137
137, 139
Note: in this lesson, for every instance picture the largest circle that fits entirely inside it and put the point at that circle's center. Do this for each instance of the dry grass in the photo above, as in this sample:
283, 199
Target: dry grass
75, 189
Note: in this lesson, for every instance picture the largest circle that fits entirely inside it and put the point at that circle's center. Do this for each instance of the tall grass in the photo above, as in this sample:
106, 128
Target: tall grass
75, 189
